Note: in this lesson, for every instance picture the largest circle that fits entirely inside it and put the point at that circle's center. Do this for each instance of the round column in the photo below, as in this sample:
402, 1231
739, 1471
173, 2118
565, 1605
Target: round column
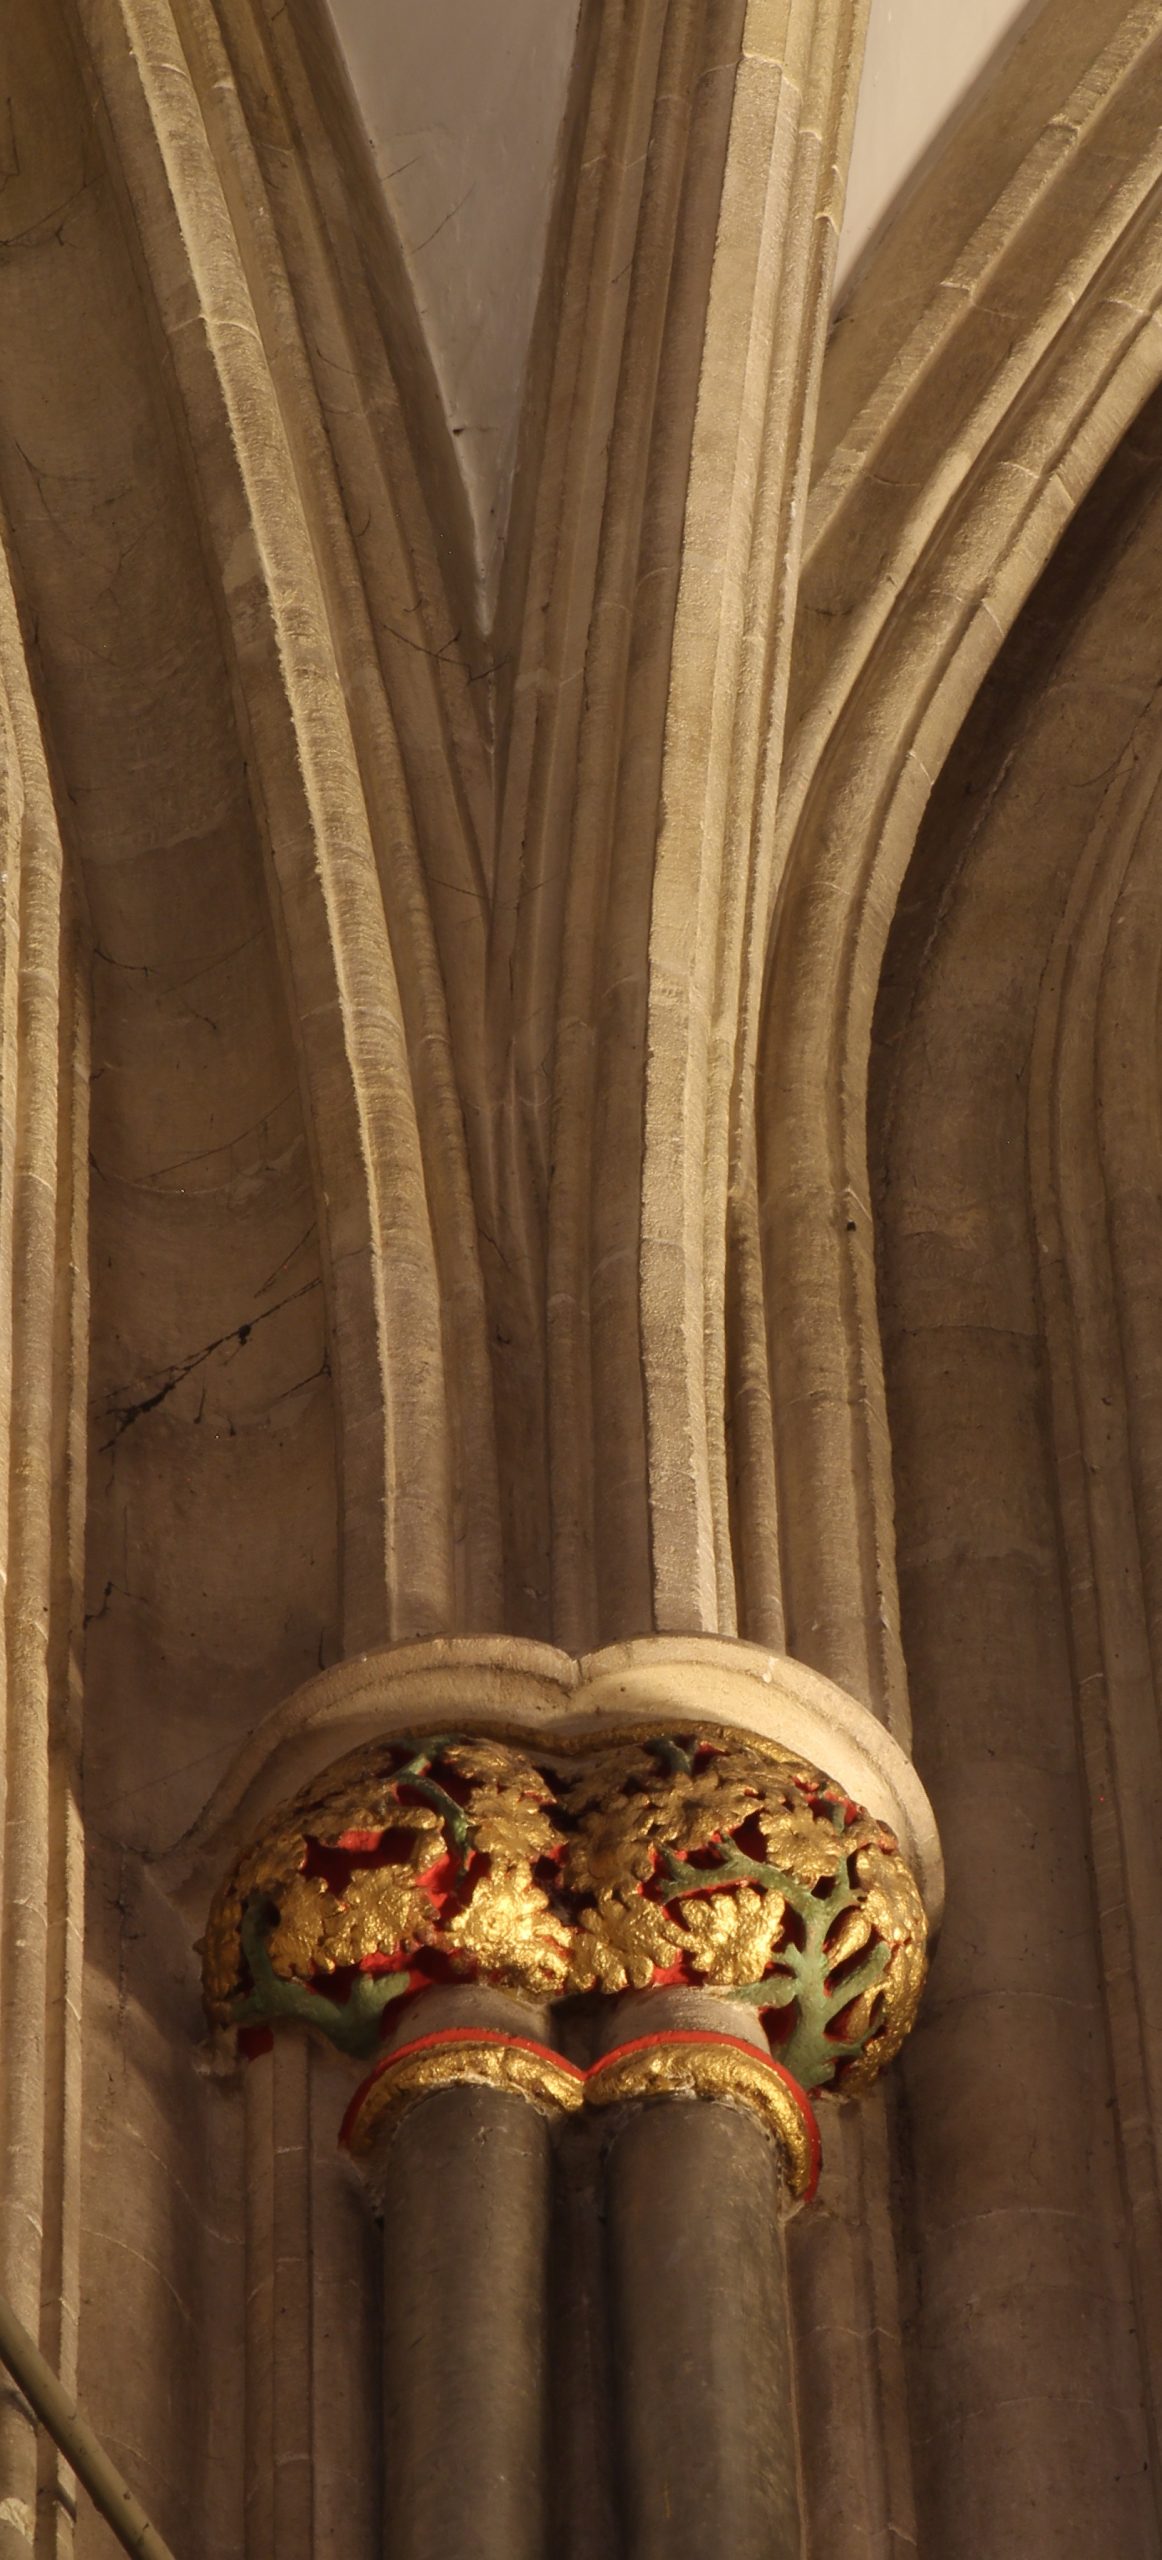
697, 2190
459, 2168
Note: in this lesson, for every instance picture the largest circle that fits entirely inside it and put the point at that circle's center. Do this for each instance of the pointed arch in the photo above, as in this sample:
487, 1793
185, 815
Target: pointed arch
927, 531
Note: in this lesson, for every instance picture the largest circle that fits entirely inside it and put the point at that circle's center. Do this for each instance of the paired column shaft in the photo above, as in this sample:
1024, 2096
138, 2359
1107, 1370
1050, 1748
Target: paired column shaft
466, 2200
699, 2306
700, 2415
695, 2200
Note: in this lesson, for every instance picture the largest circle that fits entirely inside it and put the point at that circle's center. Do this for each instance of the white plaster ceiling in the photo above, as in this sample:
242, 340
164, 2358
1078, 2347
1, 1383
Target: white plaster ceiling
925, 60
463, 101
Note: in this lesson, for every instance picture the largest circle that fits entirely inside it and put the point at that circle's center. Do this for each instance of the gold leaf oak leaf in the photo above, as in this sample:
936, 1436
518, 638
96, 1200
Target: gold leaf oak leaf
509, 1811
852, 1933
733, 1934
619, 1944
689, 1813
509, 1933
606, 1773
628, 1809
616, 1844
266, 1870
477, 1757
801, 1844
507, 1826
362, 1798
380, 1910
222, 1952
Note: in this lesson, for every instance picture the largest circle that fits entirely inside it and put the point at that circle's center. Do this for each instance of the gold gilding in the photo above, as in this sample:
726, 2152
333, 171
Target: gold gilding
598, 1867
529, 2071
669, 2065
714, 2067
440, 1838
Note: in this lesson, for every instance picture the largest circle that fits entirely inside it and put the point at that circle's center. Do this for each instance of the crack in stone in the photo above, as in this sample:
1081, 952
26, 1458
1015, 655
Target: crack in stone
124, 1415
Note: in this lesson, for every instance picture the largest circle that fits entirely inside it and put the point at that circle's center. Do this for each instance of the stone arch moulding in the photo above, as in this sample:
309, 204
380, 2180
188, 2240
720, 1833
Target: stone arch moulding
954, 453
939, 505
1016, 1175
1095, 1183
444, 1013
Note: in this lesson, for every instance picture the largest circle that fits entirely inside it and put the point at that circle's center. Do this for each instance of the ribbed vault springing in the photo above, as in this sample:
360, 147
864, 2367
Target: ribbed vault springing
444, 1279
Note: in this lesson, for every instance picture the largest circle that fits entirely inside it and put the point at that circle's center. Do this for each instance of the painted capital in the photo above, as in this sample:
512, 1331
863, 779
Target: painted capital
569, 1870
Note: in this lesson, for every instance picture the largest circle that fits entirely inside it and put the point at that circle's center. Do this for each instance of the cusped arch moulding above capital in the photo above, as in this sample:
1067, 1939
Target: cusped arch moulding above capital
506, 1683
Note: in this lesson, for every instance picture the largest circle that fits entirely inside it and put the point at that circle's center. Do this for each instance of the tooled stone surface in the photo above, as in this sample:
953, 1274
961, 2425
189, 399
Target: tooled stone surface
704, 1858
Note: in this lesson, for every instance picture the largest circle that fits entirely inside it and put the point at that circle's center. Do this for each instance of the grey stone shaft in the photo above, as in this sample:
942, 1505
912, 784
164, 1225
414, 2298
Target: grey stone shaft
465, 2199
500, 2442
705, 2420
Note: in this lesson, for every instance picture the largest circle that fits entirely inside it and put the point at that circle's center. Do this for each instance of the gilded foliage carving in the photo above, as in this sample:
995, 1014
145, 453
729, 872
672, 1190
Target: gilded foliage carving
413, 1863
743, 1869
621, 1865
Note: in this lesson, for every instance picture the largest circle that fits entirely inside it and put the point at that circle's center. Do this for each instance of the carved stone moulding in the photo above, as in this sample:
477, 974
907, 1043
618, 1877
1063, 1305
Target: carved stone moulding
510, 1685
565, 1834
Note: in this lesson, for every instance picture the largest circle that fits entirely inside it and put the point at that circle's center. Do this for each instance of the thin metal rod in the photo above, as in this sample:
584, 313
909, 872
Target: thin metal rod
70, 2431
